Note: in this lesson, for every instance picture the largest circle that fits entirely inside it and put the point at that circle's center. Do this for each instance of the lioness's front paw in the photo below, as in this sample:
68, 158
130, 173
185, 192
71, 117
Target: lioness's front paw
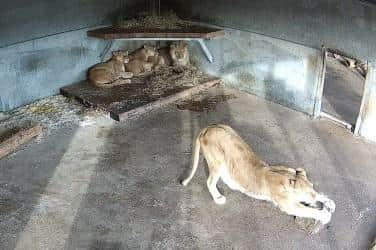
330, 205
220, 200
325, 217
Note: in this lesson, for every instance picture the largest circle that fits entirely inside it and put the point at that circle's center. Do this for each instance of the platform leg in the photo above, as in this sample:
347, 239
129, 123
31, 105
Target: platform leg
106, 49
206, 50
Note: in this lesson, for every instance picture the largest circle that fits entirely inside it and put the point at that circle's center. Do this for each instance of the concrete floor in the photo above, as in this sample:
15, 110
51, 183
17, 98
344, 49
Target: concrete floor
343, 91
106, 185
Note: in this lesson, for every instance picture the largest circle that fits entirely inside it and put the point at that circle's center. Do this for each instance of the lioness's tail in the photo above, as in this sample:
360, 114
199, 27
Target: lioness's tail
195, 158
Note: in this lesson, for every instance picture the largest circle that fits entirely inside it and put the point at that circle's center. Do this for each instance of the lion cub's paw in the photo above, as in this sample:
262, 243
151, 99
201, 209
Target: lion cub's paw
220, 200
126, 74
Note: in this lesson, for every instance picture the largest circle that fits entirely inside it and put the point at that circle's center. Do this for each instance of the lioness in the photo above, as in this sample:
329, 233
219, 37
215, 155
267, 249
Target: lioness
110, 73
179, 54
231, 159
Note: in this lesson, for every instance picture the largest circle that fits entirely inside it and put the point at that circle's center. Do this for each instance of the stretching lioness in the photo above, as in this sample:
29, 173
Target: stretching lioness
110, 73
231, 159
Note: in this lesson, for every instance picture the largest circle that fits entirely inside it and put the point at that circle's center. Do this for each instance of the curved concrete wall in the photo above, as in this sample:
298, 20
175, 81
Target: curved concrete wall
22, 20
347, 25
44, 46
280, 71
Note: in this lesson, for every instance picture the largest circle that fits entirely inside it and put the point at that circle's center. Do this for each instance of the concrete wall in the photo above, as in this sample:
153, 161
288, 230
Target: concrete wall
366, 123
22, 20
277, 70
44, 46
38, 68
347, 25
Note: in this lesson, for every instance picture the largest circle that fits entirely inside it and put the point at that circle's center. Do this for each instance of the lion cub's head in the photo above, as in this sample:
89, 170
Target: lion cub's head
149, 51
121, 56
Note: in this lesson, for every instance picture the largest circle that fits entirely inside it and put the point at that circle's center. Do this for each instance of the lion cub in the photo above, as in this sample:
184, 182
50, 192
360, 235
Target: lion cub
139, 63
174, 55
110, 73
143, 53
229, 158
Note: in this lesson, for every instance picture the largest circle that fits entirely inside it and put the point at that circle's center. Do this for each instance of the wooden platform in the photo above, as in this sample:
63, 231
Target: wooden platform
131, 100
193, 31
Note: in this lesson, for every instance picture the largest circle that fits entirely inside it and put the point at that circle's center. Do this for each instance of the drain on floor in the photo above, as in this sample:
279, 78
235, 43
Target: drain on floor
207, 103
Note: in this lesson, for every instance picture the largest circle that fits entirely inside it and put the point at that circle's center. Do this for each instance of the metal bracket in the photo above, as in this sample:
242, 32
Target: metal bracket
206, 50
106, 49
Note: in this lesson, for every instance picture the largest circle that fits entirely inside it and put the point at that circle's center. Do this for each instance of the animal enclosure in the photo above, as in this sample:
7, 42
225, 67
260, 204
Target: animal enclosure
129, 124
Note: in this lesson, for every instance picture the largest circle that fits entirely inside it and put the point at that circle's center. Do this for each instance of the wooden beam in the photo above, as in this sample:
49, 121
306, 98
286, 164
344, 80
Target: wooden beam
164, 101
20, 137
193, 32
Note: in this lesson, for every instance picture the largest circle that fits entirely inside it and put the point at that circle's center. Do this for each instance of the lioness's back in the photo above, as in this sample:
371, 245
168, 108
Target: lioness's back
227, 143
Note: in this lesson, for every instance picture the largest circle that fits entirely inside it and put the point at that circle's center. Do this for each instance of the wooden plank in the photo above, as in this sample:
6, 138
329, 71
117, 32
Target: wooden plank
193, 32
20, 137
130, 100
122, 116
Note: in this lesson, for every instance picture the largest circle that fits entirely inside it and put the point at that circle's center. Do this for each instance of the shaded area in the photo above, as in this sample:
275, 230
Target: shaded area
343, 91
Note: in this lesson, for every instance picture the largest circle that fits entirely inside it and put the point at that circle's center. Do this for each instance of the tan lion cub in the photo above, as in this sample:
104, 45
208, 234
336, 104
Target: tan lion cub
139, 60
143, 53
231, 159
110, 73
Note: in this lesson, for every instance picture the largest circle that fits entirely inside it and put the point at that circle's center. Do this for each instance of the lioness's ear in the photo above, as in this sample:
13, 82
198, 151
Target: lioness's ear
115, 53
300, 171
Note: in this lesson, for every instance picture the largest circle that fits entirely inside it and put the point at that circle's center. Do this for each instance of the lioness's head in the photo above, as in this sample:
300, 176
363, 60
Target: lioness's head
302, 188
179, 50
121, 56
149, 50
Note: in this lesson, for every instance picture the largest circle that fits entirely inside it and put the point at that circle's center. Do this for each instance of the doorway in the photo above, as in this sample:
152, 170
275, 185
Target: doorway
343, 88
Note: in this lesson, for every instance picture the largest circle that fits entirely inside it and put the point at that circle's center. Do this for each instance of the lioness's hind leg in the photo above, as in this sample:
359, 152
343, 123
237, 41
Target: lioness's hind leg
212, 186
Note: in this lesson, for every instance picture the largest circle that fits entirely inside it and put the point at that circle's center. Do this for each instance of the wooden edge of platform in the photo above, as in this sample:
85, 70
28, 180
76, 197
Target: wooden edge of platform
77, 98
113, 35
19, 138
165, 101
